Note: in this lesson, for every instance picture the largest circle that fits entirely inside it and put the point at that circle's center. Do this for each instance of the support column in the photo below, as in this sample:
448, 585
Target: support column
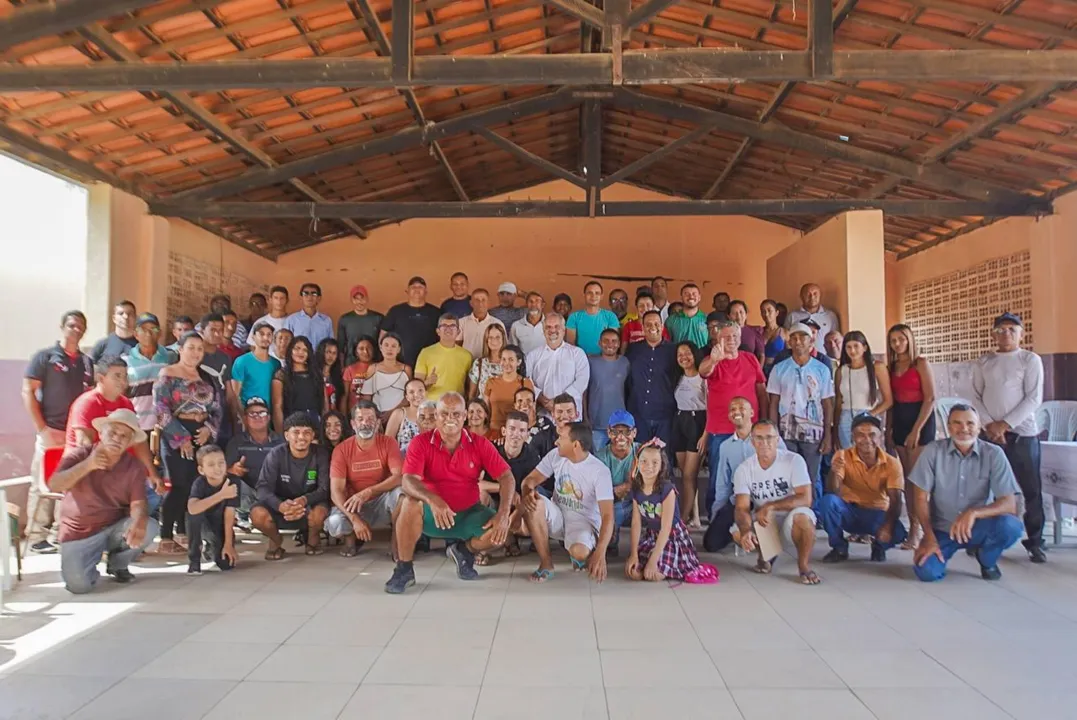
1053, 255
97, 294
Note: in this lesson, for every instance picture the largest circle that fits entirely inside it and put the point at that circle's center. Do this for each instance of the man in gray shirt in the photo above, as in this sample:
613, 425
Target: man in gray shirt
606, 390
506, 310
965, 496
1007, 388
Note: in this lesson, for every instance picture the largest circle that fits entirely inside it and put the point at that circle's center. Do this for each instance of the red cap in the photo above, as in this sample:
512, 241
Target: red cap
359, 289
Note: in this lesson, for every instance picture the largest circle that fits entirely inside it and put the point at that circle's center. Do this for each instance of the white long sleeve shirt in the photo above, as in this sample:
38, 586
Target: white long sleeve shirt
564, 370
1009, 387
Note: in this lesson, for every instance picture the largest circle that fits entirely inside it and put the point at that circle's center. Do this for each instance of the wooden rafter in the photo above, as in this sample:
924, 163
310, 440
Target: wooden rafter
60, 16
530, 157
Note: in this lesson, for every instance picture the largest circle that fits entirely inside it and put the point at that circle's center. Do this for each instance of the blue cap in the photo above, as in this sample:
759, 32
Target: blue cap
1008, 317
621, 417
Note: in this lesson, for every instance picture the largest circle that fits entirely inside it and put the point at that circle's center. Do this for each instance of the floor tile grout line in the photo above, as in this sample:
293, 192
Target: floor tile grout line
490, 650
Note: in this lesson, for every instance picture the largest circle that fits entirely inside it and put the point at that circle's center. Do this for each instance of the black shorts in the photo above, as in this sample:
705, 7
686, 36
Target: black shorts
688, 428
283, 524
904, 416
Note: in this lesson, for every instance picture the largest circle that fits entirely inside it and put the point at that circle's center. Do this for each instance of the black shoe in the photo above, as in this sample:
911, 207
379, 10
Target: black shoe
1037, 554
194, 569
836, 556
990, 573
878, 554
121, 576
613, 551
44, 548
465, 561
403, 578
422, 544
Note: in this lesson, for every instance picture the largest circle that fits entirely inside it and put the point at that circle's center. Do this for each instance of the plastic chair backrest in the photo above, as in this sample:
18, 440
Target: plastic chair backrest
1059, 419
50, 462
942, 414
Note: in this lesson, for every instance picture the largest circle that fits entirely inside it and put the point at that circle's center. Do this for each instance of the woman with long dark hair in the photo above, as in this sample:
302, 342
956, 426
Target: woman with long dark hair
487, 365
189, 416
861, 384
774, 336
912, 418
329, 366
501, 389
335, 429
387, 378
689, 426
296, 387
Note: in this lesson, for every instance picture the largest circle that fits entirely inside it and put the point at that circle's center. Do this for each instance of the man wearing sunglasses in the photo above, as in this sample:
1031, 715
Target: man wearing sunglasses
307, 321
246, 452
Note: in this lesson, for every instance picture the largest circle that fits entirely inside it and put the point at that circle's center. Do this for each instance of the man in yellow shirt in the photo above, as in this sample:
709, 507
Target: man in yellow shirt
443, 367
865, 494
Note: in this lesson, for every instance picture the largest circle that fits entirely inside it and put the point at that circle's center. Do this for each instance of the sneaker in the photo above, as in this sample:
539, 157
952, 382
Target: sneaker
122, 575
990, 573
836, 556
44, 548
244, 524
422, 544
878, 554
194, 569
465, 561
403, 578
1037, 554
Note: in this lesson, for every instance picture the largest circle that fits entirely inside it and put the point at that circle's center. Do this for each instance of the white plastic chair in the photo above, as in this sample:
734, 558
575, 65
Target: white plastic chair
942, 414
1059, 419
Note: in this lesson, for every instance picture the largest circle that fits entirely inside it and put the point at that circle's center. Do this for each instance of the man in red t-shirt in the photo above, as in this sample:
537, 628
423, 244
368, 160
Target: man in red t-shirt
364, 481
729, 373
441, 494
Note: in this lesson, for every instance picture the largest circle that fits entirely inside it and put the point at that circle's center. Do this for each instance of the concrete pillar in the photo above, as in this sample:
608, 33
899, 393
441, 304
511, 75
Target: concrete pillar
845, 256
97, 293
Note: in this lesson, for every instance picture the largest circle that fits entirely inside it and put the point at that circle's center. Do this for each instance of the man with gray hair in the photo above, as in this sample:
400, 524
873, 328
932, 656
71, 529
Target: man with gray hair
364, 481
965, 496
441, 495
557, 367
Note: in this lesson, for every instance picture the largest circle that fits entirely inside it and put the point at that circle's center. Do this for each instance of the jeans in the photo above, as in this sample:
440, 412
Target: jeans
1024, 456
622, 517
79, 558
600, 438
990, 536
208, 527
661, 429
153, 500
717, 537
714, 442
839, 517
810, 452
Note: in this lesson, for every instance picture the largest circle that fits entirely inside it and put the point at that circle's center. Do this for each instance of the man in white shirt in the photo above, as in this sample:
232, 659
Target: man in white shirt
473, 326
1007, 388
581, 511
528, 333
776, 483
278, 311
659, 290
557, 367
812, 307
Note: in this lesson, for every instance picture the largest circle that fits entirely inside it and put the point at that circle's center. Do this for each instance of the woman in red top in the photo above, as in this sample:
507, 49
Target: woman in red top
912, 417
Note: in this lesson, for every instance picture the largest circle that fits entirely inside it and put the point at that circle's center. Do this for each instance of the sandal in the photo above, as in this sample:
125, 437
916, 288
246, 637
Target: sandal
541, 575
275, 553
349, 550
909, 544
513, 549
577, 565
313, 550
810, 578
482, 559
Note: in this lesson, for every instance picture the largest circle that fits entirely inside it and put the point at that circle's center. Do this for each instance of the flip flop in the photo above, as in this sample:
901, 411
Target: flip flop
349, 551
809, 578
763, 567
313, 550
275, 553
577, 565
541, 575
513, 550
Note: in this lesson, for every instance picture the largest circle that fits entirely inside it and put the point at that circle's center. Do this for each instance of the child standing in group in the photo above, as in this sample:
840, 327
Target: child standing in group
661, 546
211, 512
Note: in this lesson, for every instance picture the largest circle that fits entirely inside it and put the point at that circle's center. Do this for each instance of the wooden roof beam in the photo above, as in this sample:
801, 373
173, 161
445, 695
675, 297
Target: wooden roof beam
652, 157
53, 18
591, 148
646, 12
531, 158
580, 9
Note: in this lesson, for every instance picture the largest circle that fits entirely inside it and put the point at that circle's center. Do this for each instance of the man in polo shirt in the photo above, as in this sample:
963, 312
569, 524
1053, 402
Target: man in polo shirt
252, 373
364, 481
246, 453
459, 302
618, 455
691, 324
528, 333
104, 507
1007, 389
443, 366
651, 382
53, 379
278, 311
122, 338
473, 325
441, 495
865, 486
811, 298
965, 496
506, 310
357, 323
144, 364
307, 321
729, 373
557, 367
415, 321
584, 327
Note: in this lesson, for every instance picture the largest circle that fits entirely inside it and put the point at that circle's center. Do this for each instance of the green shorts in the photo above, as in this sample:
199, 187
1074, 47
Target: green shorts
468, 523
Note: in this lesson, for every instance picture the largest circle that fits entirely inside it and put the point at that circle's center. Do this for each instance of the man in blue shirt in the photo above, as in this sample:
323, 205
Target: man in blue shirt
459, 304
606, 389
584, 327
965, 496
308, 322
252, 373
652, 364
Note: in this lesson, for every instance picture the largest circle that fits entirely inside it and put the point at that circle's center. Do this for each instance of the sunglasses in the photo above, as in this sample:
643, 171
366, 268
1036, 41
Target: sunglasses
258, 414
310, 293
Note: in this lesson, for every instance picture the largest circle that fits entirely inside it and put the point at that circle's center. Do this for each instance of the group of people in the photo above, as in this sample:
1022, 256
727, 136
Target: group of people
488, 424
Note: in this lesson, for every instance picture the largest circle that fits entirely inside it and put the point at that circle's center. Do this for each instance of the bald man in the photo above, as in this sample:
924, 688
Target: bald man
811, 298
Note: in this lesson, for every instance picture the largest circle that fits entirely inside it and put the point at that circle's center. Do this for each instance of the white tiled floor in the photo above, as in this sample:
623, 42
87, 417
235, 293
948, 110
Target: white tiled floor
318, 638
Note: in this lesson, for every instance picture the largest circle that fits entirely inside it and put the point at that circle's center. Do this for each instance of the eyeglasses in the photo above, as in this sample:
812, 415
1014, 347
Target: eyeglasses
1006, 330
620, 433
258, 414
310, 293
454, 328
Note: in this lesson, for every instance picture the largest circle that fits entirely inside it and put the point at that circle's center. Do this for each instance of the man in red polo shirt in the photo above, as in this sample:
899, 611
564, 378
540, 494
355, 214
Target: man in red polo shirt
441, 494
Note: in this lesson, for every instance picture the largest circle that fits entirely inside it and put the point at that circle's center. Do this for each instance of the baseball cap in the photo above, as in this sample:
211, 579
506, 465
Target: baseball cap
359, 290
417, 280
867, 419
1008, 317
621, 417
507, 287
255, 402
800, 328
811, 323
124, 417
262, 324
147, 318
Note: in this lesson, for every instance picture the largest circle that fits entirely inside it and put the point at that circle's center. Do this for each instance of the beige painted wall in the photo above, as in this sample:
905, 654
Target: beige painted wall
550, 255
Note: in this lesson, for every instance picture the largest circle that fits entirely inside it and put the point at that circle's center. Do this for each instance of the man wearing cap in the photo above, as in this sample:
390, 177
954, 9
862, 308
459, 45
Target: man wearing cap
459, 302
527, 333
506, 310
278, 310
144, 364
618, 454
811, 297
415, 321
801, 403
307, 321
473, 325
252, 373
816, 354
359, 322
1007, 388
104, 507
246, 453
866, 486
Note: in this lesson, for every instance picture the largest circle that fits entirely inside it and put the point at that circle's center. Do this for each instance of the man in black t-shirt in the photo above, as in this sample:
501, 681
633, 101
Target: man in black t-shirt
520, 456
293, 488
415, 321
211, 512
120, 341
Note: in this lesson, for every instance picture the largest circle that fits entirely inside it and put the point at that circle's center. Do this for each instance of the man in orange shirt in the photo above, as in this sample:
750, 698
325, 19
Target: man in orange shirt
865, 487
364, 481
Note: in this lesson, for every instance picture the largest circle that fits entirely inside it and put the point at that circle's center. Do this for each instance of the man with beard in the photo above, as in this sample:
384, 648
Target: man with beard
691, 324
528, 332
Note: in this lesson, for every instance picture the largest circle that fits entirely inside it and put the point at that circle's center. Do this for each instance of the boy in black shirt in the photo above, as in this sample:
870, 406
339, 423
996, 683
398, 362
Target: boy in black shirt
211, 512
